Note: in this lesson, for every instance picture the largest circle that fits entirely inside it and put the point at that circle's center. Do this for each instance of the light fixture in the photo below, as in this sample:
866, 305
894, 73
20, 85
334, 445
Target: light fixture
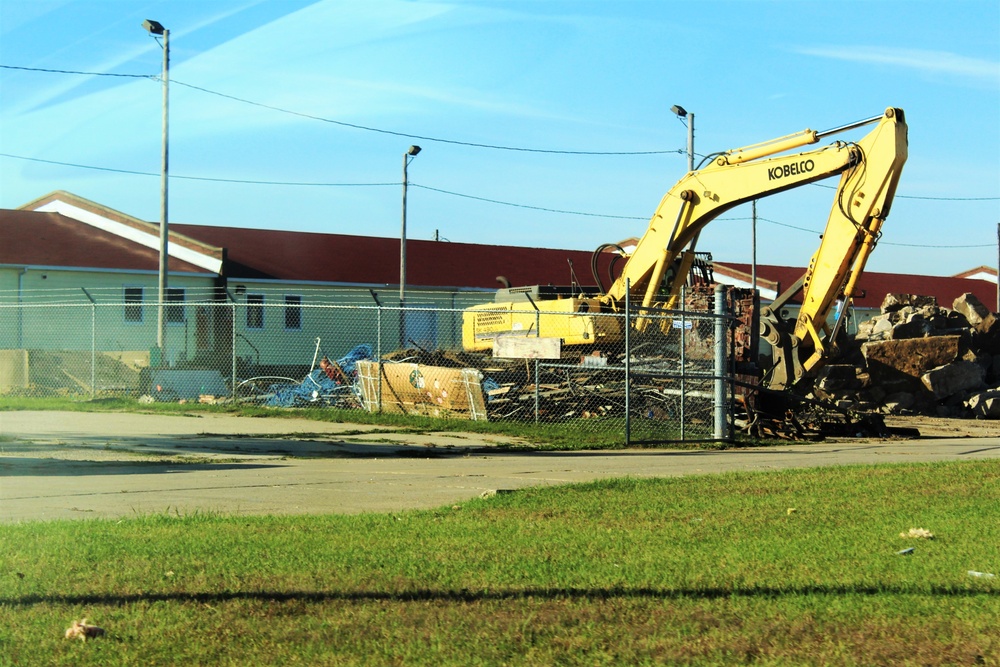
154, 27
682, 113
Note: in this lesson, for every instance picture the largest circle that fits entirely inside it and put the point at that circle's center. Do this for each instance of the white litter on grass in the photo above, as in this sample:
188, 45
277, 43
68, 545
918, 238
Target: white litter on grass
919, 533
984, 575
83, 631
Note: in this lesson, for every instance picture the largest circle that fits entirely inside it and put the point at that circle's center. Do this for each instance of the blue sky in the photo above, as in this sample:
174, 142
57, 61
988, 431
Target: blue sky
545, 75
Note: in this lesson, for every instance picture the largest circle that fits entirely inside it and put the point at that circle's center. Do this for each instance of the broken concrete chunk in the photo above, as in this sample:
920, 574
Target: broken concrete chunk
835, 377
985, 405
894, 302
894, 360
897, 402
915, 327
978, 315
954, 378
882, 325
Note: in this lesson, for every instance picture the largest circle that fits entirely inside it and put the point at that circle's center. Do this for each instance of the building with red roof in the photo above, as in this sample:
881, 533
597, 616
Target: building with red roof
63, 248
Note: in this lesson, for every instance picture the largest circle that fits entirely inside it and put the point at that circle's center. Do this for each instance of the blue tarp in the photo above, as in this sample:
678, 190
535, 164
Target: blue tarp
318, 386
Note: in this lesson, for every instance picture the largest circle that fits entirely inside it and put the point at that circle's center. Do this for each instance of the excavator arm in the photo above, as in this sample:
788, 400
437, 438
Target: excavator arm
869, 173
864, 196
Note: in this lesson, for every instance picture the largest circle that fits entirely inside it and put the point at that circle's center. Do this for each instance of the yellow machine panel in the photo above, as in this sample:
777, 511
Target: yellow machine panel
575, 321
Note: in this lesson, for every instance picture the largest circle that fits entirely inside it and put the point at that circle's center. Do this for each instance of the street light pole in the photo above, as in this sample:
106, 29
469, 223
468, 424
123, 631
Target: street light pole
690, 141
682, 113
155, 28
410, 153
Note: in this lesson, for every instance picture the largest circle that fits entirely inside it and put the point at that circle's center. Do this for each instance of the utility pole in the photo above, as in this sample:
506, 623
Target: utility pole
753, 248
690, 141
410, 153
155, 29
684, 114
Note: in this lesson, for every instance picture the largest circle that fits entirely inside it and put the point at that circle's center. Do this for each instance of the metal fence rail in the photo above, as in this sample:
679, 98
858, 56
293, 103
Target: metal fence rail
672, 381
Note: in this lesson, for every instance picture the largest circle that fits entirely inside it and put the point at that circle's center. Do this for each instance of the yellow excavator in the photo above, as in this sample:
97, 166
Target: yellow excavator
653, 274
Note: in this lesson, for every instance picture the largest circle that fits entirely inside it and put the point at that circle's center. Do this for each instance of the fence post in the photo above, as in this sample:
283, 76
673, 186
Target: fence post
683, 360
93, 351
538, 334
720, 363
628, 362
378, 351
232, 345
93, 344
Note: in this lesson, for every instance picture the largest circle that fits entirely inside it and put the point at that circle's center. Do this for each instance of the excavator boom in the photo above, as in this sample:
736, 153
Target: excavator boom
869, 172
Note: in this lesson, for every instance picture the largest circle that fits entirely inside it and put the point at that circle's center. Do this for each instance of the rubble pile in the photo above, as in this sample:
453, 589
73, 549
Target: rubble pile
919, 358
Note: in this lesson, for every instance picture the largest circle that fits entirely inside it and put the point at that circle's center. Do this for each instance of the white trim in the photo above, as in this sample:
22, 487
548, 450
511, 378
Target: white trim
985, 276
132, 234
726, 279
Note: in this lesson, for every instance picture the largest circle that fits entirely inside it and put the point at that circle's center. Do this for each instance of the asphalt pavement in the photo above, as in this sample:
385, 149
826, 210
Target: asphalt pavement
68, 465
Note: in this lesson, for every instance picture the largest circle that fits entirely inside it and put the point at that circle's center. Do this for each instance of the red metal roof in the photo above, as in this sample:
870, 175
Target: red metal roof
340, 258
873, 286
33, 238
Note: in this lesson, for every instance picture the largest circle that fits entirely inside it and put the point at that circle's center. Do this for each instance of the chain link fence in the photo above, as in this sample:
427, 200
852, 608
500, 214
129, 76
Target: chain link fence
637, 376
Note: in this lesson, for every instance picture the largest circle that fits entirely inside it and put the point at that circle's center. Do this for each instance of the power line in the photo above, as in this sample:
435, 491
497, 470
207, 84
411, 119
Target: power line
196, 178
415, 136
407, 136
70, 71
833, 187
533, 208
419, 137
904, 245
441, 191
354, 126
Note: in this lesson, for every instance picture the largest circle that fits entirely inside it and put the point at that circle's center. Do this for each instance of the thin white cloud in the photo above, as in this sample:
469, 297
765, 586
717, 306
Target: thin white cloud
931, 62
57, 87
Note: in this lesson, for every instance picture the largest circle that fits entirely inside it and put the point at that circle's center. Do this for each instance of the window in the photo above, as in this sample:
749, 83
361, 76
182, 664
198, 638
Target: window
133, 304
255, 311
293, 312
173, 309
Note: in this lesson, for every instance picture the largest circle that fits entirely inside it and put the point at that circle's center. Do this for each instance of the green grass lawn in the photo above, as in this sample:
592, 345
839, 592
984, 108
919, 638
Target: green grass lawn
786, 568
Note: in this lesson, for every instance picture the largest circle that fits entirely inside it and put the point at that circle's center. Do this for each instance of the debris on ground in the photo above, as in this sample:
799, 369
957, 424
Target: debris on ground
981, 575
83, 631
915, 358
919, 358
332, 384
918, 533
